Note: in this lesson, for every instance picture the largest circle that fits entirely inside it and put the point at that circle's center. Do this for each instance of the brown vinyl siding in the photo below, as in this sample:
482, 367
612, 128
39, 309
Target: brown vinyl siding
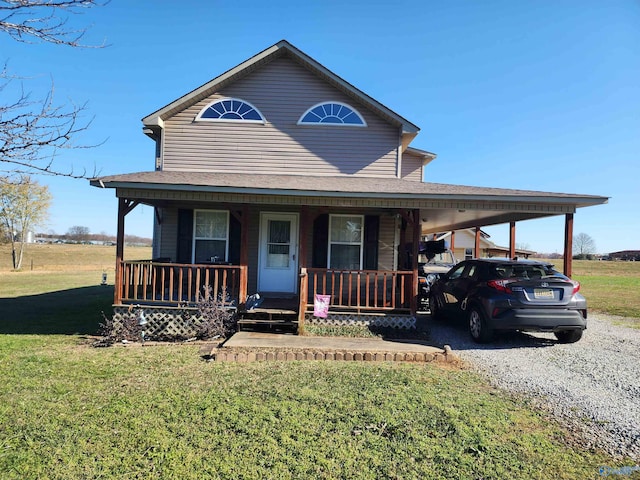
282, 91
386, 242
169, 233
411, 168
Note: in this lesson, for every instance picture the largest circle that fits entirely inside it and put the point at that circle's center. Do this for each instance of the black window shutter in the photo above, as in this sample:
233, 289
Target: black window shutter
371, 236
185, 236
235, 228
320, 241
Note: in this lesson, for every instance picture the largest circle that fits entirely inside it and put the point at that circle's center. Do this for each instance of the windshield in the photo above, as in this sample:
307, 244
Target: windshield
444, 257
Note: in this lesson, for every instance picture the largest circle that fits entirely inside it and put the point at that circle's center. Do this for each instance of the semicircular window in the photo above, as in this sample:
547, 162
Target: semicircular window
332, 113
230, 110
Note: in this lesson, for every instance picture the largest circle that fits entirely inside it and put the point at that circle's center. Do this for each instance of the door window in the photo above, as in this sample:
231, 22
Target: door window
278, 244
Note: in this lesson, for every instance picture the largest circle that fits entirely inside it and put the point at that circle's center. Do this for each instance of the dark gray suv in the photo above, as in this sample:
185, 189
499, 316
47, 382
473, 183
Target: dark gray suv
501, 294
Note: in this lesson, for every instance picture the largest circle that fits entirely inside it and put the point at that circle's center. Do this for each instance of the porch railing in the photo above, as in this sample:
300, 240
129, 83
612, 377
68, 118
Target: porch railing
360, 290
172, 283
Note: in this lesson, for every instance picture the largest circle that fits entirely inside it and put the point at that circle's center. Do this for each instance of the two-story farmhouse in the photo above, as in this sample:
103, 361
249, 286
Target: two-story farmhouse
280, 177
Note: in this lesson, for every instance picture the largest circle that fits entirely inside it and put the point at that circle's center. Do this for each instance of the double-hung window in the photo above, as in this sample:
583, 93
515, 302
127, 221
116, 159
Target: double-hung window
210, 236
345, 242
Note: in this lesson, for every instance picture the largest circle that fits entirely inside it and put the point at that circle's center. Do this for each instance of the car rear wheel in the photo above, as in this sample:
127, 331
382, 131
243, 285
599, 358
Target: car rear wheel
568, 336
478, 328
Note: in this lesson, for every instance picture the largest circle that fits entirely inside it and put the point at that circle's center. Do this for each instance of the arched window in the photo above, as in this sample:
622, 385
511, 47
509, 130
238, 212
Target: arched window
332, 113
230, 110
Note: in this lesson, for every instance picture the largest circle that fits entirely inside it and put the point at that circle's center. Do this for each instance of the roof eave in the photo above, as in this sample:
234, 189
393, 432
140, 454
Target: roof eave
578, 201
427, 157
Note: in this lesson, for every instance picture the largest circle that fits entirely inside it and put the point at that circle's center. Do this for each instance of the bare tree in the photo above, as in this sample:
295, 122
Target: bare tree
32, 131
24, 204
583, 246
43, 20
78, 233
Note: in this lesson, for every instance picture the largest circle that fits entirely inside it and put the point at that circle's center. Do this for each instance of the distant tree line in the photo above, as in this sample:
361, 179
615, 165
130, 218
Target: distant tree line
80, 234
76, 234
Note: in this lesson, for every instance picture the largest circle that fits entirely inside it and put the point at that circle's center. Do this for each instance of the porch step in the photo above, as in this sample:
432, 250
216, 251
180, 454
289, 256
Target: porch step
263, 321
271, 318
259, 324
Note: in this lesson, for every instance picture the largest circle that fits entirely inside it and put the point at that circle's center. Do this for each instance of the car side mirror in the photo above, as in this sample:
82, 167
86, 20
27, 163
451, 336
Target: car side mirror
433, 278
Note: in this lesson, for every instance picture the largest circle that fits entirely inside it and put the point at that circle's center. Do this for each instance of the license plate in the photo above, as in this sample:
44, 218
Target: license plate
542, 293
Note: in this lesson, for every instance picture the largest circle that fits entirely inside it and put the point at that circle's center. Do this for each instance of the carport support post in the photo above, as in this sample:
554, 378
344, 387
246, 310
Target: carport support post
476, 247
568, 243
512, 240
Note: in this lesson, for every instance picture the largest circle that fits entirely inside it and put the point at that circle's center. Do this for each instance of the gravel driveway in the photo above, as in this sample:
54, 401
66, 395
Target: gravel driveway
593, 385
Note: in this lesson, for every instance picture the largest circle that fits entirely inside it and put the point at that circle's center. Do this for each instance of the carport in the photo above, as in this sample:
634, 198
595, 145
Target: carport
457, 207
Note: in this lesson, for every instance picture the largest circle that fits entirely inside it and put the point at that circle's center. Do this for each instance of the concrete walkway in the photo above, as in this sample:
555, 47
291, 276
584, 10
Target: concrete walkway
257, 346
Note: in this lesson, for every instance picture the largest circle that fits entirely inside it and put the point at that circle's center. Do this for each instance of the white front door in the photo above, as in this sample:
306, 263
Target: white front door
278, 257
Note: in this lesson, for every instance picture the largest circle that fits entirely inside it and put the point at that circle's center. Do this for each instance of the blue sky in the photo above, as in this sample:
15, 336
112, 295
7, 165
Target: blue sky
540, 95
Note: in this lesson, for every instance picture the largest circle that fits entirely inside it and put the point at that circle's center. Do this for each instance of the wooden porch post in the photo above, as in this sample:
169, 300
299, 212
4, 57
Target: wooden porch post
303, 291
417, 230
124, 207
453, 241
305, 218
244, 255
568, 244
512, 240
117, 290
476, 247
303, 286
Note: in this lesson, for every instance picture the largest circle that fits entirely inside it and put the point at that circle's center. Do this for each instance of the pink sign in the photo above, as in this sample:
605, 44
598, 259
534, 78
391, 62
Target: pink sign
321, 306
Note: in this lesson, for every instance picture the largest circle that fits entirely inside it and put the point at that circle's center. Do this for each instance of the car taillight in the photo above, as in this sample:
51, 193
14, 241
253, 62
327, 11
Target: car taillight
500, 285
576, 286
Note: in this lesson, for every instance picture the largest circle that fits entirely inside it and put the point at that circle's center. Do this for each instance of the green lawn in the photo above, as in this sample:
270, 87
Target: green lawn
62, 294
71, 411
611, 287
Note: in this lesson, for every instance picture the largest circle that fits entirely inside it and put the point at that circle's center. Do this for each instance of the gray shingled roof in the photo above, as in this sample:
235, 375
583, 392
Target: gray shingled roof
337, 186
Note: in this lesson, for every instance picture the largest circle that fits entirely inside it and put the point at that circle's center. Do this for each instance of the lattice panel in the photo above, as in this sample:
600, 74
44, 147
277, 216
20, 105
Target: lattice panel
166, 322
360, 320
